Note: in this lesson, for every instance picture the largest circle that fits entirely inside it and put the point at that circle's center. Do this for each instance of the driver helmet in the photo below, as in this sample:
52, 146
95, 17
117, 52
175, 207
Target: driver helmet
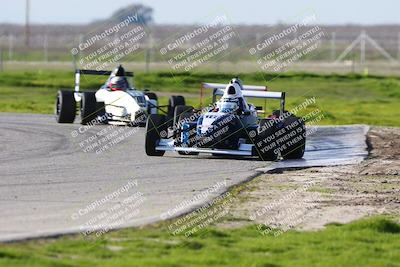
237, 81
233, 90
119, 71
118, 83
229, 102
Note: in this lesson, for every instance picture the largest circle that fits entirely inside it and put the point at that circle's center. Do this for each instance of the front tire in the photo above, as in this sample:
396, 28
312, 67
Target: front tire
65, 109
101, 112
155, 130
264, 141
294, 147
88, 107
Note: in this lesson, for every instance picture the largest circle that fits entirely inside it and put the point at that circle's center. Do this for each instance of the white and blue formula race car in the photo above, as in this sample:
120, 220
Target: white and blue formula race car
116, 102
230, 126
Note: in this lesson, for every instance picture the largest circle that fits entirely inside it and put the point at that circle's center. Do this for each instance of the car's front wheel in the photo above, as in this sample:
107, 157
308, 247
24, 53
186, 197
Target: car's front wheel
155, 130
65, 109
295, 144
266, 147
88, 107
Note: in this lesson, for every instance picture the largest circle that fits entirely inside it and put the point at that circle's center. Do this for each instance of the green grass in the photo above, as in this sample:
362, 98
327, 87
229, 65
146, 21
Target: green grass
370, 242
344, 99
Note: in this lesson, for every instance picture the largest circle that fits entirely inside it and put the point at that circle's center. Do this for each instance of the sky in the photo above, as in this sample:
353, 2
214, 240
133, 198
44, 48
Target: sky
190, 12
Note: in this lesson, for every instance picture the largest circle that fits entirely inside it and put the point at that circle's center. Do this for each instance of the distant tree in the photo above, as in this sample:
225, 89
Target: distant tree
144, 13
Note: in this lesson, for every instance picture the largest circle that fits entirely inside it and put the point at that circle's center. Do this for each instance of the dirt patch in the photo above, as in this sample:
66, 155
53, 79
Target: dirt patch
310, 198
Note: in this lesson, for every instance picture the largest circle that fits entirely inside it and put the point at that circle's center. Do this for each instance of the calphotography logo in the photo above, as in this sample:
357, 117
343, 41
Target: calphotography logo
278, 50
106, 47
197, 199
105, 214
190, 50
277, 217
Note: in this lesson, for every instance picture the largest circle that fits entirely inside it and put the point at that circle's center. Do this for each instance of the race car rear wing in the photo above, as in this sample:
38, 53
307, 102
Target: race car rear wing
255, 94
248, 91
78, 73
222, 86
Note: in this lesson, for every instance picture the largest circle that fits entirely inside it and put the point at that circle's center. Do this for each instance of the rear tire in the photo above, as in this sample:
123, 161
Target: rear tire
175, 100
151, 95
179, 110
294, 147
88, 107
65, 109
155, 128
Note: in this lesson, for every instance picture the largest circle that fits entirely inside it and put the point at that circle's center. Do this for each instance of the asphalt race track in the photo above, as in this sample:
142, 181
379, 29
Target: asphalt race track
50, 173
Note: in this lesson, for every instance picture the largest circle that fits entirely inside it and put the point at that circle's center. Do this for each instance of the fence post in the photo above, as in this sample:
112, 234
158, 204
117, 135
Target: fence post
1, 59
333, 46
362, 48
398, 46
148, 52
45, 48
10, 46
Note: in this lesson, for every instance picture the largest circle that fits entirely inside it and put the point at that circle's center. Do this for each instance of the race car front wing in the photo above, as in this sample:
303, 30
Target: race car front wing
243, 150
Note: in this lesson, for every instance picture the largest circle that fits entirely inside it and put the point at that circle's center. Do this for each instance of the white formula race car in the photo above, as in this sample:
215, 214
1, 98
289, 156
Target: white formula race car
230, 126
116, 102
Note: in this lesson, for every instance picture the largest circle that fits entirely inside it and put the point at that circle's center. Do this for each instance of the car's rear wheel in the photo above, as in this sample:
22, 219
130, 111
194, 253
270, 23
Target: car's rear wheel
155, 130
173, 102
152, 103
294, 145
179, 110
88, 107
65, 109
151, 95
